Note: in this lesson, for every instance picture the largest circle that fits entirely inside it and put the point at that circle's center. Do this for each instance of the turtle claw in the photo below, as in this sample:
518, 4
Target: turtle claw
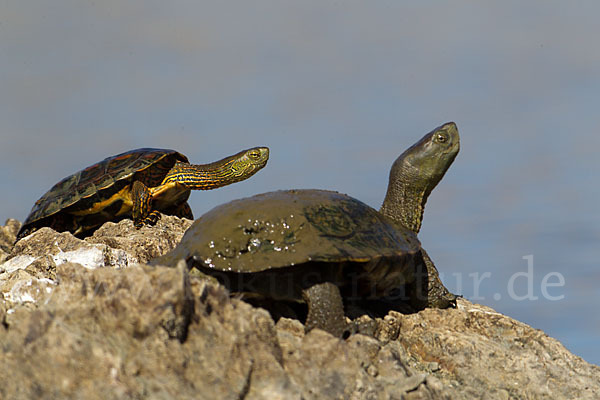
151, 219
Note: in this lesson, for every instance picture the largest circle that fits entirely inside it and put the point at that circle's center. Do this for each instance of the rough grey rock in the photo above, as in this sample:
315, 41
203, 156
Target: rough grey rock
112, 245
8, 235
495, 355
118, 329
142, 244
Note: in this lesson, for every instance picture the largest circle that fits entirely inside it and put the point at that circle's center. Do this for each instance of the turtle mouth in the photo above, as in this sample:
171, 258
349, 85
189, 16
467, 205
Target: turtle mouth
447, 156
263, 163
454, 149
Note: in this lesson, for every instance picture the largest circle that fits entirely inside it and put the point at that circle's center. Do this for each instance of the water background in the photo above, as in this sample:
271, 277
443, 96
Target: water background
337, 90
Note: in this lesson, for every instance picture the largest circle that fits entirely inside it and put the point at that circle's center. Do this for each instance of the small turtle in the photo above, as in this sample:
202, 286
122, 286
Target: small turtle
325, 248
138, 184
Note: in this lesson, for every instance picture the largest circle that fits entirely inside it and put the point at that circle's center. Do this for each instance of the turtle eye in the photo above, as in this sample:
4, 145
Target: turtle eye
254, 154
441, 137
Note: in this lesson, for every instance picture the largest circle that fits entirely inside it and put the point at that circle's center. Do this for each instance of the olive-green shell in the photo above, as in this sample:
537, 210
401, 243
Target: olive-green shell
98, 182
285, 228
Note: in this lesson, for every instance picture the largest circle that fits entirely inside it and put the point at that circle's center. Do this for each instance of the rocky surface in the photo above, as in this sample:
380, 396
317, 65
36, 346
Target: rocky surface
84, 319
8, 234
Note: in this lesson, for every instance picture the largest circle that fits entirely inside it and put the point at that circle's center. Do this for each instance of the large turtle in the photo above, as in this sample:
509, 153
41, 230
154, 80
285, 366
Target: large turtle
138, 184
322, 247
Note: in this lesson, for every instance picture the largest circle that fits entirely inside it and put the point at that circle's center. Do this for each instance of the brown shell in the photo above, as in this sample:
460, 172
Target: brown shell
97, 182
285, 228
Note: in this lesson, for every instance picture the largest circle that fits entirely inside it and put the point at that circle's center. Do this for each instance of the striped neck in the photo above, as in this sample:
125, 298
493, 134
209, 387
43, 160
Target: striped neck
220, 173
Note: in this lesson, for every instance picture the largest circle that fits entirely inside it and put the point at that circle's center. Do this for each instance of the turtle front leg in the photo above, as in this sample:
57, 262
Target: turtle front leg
142, 212
437, 294
325, 309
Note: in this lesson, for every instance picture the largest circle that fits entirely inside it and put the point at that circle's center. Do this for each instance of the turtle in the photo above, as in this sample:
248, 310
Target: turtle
326, 249
138, 184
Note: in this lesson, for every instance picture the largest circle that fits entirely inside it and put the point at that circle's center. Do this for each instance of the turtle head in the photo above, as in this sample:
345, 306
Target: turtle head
248, 162
429, 158
256, 157
416, 172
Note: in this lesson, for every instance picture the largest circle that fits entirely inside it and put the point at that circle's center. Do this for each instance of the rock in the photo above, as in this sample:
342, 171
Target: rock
21, 288
87, 319
113, 244
139, 332
41, 252
142, 244
8, 235
492, 354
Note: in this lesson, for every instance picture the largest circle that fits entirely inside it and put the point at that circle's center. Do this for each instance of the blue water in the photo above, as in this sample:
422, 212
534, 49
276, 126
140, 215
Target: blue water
338, 90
